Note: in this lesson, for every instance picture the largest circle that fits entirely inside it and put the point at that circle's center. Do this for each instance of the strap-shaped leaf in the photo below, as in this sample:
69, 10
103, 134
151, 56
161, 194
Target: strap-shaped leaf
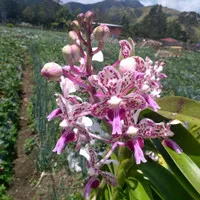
175, 107
189, 169
176, 171
164, 182
183, 109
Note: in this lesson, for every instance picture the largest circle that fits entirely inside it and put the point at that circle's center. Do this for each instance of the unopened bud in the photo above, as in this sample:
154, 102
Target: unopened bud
75, 25
73, 36
71, 53
101, 33
52, 71
127, 64
80, 18
89, 17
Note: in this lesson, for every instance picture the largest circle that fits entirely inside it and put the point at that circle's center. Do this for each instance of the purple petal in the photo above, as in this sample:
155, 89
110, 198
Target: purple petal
172, 145
54, 114
93, 182
136, 145
152, 103
65, 138
116, 123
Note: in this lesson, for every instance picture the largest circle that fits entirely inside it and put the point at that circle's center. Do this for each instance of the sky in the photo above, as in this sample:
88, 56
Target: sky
182, 5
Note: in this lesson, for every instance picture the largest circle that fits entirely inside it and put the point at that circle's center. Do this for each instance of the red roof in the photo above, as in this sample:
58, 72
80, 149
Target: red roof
171, 40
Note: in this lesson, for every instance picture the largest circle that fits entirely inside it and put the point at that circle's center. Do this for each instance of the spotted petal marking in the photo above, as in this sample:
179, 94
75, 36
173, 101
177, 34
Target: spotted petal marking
140, 64
146, 128
109, 178
100, 109
80, 110
93, 158
126, 48
110, 79
127, 80
134, 101
93, 79
64, 105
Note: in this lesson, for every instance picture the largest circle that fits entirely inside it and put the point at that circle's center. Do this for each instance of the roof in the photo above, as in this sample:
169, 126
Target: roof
172, 40
111, 25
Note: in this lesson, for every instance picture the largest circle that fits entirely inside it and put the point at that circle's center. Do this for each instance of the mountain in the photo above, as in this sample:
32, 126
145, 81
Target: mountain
110, 11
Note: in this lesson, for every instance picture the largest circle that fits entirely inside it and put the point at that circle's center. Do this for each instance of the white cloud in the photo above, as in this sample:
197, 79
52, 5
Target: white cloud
182, 5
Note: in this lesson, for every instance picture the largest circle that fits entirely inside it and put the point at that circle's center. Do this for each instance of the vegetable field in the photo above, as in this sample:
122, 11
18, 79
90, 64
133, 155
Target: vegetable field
41, 46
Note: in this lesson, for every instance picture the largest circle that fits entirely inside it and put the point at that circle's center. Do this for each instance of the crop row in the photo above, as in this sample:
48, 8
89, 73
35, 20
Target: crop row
11, 61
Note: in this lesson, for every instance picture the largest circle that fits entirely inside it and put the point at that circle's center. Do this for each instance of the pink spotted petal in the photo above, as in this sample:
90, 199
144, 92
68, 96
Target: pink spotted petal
93, 182
126, 48
93, 79
110, 79
127, 80
140, 64
80, 110
100, 109
134, 101
54, 113
109, 178
93, 157
173, 145
64, 105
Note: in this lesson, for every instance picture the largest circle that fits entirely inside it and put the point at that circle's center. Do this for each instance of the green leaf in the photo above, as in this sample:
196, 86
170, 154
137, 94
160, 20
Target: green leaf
176, 171
183, 109
164, 181
136, 189
187, 142
189, 169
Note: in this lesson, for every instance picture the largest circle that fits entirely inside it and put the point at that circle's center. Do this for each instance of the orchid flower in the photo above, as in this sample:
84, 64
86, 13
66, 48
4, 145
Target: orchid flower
114, 96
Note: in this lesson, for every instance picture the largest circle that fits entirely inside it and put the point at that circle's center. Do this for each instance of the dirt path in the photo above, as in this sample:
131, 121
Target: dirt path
23, 166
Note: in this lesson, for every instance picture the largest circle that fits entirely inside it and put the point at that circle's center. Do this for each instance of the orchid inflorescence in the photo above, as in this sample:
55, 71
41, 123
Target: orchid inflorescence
117, 95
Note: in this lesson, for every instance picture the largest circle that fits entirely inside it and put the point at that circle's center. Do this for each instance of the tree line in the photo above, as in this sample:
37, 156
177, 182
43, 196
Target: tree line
36, 12
155, 26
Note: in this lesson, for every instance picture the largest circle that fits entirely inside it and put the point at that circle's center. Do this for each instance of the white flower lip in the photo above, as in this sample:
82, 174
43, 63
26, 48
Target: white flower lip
114, 101
132, 130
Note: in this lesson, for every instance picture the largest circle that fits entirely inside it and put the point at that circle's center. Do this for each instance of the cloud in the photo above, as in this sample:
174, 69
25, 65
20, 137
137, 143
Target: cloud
182, 5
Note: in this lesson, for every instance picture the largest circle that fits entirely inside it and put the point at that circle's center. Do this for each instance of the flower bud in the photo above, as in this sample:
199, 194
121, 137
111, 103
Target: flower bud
101, 33
127, 64
80, 18
71, 53
75, 25
52, 71
89, 17
73, 36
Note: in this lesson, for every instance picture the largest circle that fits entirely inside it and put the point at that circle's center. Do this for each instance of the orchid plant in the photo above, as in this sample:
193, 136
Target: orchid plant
117, 96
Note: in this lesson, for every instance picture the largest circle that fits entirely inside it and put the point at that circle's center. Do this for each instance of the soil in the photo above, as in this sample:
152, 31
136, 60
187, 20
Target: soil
27, 184
23, 167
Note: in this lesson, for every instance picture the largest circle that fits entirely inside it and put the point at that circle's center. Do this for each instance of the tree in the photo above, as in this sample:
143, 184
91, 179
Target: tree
125, 27
154, 24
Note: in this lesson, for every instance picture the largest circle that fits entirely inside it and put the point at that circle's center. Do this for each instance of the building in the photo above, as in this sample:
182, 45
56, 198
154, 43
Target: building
115, 29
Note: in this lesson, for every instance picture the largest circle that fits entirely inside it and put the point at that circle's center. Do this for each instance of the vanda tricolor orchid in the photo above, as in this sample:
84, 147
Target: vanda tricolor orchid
116, 95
